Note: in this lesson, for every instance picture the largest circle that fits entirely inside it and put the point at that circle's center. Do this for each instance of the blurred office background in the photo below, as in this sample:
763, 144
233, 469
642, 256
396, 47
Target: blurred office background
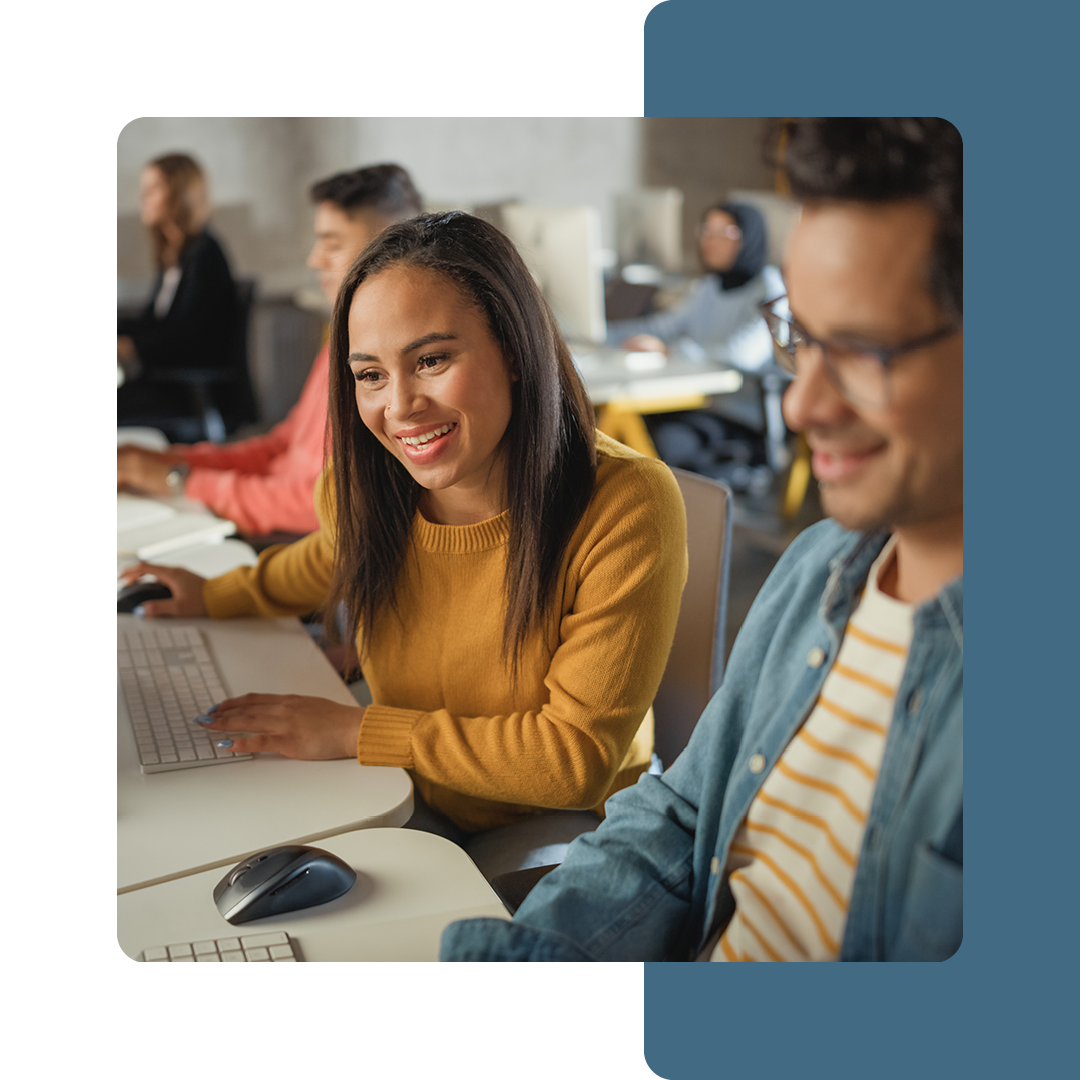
260, 170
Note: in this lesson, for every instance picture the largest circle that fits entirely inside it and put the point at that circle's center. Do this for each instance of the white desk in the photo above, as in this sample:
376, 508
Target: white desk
149, 528
206, 560
176, 823
146, 437
612, 374
409, 886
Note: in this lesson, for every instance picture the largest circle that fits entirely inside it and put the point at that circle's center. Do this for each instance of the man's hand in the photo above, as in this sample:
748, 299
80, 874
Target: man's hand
186, 600
644, 343
144, 470
310, 728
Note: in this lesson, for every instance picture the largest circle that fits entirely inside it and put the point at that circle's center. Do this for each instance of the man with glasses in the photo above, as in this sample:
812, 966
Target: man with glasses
817, 813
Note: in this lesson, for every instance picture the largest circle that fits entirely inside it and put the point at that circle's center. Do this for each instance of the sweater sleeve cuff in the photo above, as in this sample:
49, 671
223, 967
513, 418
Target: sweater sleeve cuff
386, 736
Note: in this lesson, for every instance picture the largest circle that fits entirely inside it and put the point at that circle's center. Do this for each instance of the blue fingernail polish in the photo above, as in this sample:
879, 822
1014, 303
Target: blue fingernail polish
210, 710
225, 744
140, 610
202, 718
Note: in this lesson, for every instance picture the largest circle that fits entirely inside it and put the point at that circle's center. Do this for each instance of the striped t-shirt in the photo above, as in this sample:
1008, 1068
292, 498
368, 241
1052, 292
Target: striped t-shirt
792, 862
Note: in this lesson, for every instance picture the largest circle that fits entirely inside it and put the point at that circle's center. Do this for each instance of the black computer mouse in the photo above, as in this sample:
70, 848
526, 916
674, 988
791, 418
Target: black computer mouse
131, 596
282, 879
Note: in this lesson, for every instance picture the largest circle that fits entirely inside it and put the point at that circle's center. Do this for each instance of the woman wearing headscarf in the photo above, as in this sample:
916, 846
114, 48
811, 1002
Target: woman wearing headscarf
721, 312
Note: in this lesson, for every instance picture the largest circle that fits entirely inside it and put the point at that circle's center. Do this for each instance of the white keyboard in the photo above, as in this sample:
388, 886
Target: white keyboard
167, 678
249, 948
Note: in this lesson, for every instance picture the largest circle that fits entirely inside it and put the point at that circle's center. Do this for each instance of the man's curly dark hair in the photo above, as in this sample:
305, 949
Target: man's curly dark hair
884, 159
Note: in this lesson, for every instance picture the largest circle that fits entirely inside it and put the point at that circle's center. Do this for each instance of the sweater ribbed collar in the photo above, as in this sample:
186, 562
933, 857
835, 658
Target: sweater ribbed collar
461, 539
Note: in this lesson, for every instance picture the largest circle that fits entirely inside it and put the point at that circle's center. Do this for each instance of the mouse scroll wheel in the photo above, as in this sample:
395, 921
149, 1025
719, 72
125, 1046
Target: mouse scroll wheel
243, 868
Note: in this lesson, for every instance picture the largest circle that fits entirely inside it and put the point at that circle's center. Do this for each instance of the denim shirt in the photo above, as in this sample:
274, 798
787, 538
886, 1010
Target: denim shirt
650, 883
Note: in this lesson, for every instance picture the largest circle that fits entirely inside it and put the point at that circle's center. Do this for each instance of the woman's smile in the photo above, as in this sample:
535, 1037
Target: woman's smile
426, 444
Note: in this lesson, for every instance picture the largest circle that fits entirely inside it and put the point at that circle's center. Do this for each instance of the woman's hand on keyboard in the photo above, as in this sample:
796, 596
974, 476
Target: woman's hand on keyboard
186, 600
311, 728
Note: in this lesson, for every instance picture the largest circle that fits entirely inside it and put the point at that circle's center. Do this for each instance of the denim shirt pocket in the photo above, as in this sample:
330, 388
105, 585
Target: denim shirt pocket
932, 925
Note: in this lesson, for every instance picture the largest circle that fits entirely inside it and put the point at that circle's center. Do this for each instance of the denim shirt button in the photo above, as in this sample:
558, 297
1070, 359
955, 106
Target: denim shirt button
914, 700
815, 657
714, 866
757, 763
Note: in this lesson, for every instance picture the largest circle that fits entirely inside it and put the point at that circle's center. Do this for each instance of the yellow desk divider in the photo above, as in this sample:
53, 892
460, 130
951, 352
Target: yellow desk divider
798, 480
622, 419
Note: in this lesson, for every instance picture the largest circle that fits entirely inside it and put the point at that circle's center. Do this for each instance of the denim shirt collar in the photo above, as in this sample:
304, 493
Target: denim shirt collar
848, 571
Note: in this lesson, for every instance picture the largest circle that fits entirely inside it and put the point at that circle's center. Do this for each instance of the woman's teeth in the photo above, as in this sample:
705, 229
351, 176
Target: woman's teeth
419, 440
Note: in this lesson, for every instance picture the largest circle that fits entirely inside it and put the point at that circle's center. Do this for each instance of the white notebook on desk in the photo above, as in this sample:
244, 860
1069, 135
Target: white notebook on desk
153, 539
133, 511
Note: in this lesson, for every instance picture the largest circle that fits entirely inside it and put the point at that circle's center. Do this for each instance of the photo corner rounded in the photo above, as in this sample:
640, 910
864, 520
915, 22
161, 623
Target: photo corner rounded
119, 134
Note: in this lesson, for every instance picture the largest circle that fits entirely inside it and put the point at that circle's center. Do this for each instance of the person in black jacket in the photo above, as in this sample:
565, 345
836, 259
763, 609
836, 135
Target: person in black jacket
189, 319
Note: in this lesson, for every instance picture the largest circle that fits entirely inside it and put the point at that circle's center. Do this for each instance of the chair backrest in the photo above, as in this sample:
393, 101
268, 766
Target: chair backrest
236, 398
695, 667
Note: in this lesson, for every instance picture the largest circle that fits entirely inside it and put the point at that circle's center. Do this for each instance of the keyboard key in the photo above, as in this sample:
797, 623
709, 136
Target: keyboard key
233, 958
205, 947
228, 944
281, 952
157, 952
210, 956
167, 677
257, 954
179, 950
274, 937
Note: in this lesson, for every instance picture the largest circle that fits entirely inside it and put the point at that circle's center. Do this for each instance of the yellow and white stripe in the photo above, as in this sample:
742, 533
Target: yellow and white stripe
792, 862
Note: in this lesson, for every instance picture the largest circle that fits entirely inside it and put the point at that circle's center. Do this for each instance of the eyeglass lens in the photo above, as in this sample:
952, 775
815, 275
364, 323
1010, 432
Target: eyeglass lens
859, 376
732, 232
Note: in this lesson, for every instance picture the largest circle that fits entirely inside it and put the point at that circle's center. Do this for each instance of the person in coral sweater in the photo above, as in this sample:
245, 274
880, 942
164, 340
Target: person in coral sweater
265, 484
512, 577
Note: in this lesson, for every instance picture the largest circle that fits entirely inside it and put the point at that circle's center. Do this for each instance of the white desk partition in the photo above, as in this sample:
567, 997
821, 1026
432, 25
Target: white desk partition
175, 823
410, 885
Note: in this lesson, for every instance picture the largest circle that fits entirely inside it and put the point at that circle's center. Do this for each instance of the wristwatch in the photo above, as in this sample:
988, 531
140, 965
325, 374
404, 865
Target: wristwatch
176, 477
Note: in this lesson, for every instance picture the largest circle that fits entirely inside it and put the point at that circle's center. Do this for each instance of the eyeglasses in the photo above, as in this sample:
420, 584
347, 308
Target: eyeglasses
731, 232
860, 372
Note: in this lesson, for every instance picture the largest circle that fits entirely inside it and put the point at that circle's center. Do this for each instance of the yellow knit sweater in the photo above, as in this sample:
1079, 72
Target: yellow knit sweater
479, 749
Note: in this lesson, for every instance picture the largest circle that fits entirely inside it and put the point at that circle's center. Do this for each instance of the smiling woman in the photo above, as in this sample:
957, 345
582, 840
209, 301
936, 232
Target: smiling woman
512, 578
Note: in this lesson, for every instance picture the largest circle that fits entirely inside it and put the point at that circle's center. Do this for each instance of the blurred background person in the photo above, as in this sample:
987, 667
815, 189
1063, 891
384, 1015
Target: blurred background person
265, 484
189, 319
721, 310
719, 320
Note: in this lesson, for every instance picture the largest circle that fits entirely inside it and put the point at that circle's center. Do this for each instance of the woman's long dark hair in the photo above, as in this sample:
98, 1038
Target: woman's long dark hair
549, 444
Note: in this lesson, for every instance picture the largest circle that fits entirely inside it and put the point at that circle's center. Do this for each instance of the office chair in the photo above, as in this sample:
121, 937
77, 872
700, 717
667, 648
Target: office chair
695, 666
214, 402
